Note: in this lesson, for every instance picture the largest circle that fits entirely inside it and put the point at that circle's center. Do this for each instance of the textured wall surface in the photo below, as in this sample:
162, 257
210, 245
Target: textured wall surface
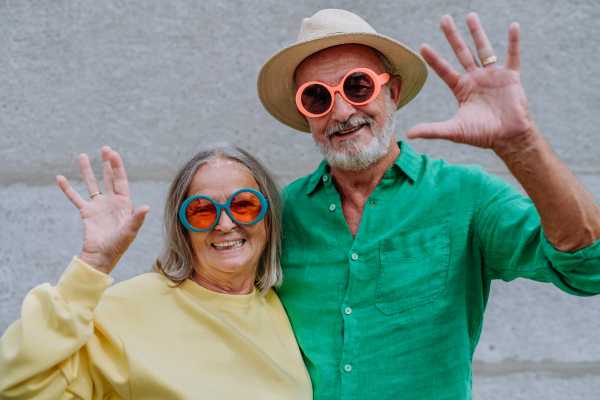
153, 79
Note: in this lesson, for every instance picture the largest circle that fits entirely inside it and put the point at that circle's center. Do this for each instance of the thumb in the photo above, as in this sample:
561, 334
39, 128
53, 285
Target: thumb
135, 221
434, 130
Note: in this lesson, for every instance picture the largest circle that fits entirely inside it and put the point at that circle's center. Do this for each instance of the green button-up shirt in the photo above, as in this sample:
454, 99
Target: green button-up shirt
397, 311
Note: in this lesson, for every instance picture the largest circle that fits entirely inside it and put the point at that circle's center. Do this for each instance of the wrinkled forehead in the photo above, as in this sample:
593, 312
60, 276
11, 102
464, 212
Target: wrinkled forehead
334, 62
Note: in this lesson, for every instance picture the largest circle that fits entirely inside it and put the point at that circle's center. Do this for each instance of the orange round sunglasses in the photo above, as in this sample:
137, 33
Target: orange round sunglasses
358, 87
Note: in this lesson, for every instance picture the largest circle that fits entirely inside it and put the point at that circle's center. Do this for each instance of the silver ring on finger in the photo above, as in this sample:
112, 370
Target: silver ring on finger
489, 60
93, 194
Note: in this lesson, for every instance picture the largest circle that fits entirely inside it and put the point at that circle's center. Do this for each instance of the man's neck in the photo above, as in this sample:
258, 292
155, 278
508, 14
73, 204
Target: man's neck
356, 187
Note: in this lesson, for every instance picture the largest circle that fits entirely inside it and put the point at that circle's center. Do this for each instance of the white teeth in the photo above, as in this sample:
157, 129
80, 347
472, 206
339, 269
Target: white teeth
229, 245
350, 131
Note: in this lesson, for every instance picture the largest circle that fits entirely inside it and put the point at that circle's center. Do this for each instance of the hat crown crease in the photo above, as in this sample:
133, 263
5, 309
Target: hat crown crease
328, 22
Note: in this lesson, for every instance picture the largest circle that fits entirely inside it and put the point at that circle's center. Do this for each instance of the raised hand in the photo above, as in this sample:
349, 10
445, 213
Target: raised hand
109, 221
493, 108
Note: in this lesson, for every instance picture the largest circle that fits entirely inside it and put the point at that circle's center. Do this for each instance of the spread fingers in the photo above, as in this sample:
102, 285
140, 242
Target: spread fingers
457, 42
70, 192
108, 172
482, 43
441, 67
120, 177
88, 175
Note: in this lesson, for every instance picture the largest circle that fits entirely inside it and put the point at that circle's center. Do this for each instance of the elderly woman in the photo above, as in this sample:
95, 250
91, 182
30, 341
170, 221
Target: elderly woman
206, 326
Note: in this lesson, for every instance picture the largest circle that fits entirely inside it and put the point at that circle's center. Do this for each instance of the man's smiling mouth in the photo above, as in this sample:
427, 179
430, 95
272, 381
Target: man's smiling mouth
349, 130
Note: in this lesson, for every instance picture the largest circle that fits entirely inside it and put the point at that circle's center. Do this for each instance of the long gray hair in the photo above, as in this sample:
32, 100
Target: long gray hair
176, 259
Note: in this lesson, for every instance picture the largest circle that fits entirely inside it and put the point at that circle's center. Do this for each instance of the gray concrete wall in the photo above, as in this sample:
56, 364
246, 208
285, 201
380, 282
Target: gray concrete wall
155, 78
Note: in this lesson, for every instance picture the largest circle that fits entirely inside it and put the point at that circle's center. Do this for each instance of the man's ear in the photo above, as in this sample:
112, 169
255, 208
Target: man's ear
303, 116
395, 85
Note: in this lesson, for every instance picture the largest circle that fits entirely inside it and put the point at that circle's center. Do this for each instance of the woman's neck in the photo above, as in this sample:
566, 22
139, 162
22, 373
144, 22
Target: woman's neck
235, 283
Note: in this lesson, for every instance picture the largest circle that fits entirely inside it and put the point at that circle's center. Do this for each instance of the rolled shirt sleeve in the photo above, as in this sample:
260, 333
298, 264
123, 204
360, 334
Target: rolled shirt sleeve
513, 244
580, 270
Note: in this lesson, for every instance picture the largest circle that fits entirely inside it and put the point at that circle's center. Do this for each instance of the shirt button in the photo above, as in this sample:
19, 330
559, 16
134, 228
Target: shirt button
355, 256
332, 207
325, 178
348, 310
348, 367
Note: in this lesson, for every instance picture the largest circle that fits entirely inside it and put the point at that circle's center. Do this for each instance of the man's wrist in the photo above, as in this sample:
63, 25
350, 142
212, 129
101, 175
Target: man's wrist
517, 146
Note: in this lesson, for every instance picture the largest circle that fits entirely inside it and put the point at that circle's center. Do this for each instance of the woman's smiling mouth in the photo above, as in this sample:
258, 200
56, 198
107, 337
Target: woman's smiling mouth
229, 245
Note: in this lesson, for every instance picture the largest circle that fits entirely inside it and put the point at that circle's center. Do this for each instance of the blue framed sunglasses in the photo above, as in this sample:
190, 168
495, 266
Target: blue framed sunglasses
244, 207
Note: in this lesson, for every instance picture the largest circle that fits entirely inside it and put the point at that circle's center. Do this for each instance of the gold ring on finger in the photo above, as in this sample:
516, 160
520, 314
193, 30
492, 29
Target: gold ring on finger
93, 194
489, 60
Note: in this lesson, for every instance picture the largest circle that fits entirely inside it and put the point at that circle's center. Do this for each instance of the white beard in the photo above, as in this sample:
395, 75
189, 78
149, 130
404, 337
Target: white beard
356, 157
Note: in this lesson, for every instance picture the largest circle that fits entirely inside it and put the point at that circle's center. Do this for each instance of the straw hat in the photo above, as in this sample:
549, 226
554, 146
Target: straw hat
328, 28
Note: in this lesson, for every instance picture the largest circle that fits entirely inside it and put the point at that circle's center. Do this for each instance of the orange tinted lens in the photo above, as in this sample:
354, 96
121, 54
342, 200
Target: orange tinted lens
245, 207
359, 87
316, 99
201, 213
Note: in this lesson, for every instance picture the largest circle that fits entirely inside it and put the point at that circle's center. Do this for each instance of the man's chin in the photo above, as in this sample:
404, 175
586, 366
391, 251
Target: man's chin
355, 155
352, 146
355, 160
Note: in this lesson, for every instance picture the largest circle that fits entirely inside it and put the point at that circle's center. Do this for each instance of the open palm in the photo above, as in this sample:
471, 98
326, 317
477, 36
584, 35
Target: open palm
493, 106
110, 222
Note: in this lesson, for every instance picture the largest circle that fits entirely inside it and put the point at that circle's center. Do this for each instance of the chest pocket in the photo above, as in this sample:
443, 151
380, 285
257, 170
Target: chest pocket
414, 268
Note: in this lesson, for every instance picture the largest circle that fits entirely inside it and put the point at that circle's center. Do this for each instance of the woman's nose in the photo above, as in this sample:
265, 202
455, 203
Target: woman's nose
225, 223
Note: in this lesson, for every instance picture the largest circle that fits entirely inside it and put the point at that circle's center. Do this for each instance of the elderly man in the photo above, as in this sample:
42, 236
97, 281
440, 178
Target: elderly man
388, 255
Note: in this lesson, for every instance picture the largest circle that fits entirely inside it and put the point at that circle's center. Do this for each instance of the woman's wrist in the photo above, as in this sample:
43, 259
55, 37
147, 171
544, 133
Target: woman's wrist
98, 261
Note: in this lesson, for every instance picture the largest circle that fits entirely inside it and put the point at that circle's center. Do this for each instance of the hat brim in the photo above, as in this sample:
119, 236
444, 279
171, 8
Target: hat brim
275, 85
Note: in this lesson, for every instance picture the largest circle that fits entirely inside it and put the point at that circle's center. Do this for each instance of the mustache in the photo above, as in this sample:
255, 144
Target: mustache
351, 123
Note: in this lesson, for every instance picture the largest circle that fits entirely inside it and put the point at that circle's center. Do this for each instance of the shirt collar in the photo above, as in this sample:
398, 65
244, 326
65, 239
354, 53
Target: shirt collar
317, 177
409, 162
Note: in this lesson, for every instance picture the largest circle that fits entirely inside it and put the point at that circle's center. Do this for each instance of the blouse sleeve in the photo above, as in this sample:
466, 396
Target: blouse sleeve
57, 350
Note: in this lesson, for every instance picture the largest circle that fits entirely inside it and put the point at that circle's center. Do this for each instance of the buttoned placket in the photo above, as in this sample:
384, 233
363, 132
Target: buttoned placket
350, 308
351, 303
350, 339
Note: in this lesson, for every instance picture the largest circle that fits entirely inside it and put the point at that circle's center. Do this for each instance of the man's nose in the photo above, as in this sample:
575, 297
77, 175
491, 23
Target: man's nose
342, 110
225, 223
